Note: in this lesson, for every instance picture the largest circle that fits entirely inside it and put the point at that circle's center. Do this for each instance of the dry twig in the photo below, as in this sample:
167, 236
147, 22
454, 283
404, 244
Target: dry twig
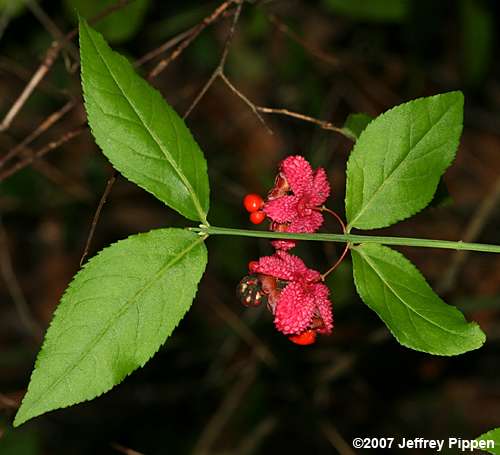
473, 230
311, 49
21, 164
254, 438
52, 28
219, 71
163, 64
262, 352
225, 410
40, 73
336, 439
124, 450
15, 291
269, 110
47, 63
97, 214
165, 46
40, 129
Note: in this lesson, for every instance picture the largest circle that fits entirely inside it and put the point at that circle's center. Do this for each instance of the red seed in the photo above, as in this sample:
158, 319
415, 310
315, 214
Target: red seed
253, 202
257, 217
252, 265
305, 338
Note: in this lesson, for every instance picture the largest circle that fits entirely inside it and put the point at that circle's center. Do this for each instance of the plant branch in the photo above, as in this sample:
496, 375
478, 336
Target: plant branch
219, 71
351, 238
51, 27
472, 231
37, 77
249, 103
337, 263
346, 249
336, 439
124, 450
97, 214
14, 289
185, 39
48, 61
163, 64
262, 352
306, 118
227, 407
311, 49
42, 151
165, 46
40, 129
279, 111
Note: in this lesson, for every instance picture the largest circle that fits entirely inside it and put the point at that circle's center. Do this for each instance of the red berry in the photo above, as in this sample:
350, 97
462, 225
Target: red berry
252, 265
305, 338
253, 202
257, 217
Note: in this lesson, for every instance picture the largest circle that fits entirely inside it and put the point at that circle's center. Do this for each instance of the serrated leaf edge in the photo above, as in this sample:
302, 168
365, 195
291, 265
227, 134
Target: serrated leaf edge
196, 241
491, 434
471, 324
198, 207
350, 224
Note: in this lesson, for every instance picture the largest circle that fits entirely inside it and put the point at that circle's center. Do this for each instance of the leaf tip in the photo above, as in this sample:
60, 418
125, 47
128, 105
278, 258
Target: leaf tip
20, 417
82, 22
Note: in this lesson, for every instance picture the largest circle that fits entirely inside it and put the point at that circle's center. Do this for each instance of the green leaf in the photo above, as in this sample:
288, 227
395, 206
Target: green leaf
394, 288
118, 26
139, 132
395, 166
370, 10
489, 439
355, 124
114, 316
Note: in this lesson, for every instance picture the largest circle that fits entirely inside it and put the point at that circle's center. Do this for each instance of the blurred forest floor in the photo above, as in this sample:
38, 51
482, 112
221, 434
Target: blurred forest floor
226, 381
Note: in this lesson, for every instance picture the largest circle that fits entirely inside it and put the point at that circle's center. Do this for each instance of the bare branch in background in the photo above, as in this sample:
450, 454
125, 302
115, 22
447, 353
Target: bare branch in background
102, 201
315, 52
52, 28
336, 439
66, 137
473, 230
47, 63
219, 71
151, 55
40, 73
262, 352
15, 291
226, 409
251, 105
124, 450
163, 64
40, 129
254, 438
268, 110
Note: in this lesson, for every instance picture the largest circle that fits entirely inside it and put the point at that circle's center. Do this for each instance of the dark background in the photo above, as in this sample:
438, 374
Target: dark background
226, 381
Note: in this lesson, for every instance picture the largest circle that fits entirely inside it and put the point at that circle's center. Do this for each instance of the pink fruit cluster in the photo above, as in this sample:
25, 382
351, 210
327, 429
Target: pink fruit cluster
302, 309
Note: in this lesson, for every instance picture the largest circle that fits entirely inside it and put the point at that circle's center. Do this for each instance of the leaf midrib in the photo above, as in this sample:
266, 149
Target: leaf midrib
380, 188
408, 307
124, 309
159, 143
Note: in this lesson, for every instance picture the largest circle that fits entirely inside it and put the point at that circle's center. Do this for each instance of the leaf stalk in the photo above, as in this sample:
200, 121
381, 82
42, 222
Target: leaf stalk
353, 238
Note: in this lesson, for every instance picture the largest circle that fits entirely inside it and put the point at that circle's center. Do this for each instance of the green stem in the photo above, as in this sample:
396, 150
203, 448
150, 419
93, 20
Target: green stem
352, 238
